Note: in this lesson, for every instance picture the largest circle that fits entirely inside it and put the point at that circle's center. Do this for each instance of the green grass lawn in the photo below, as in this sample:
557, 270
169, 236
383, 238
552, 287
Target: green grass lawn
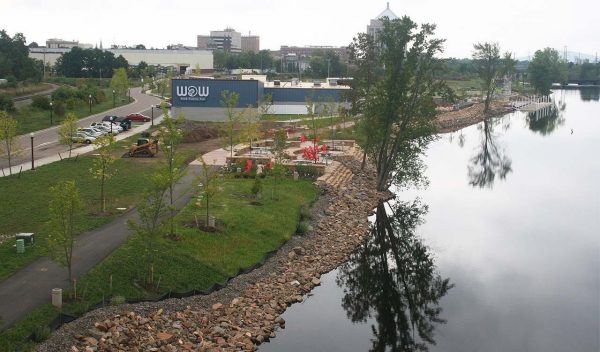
200, 259
16, 338
30, 119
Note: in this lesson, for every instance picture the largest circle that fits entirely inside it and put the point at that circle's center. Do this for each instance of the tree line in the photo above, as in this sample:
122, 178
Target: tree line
15, 64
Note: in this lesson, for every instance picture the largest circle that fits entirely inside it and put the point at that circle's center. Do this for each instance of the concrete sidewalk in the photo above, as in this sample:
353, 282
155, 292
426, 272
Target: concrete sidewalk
31, 286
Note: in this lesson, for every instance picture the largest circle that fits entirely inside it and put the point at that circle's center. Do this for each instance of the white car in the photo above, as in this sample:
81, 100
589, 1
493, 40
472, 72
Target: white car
81, 137
103, 128
109, 125
91, 132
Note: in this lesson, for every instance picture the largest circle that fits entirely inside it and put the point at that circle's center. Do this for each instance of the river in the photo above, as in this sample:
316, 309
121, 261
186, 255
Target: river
501, 252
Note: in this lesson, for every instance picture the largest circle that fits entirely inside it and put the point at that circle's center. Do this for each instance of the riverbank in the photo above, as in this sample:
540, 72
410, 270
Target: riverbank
246, 312
452, 121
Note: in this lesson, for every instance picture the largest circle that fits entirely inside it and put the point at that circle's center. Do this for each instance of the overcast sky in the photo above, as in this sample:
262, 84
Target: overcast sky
520, 26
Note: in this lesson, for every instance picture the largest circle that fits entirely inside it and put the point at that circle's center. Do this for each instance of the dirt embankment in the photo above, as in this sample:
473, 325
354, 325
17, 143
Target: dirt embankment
454, 120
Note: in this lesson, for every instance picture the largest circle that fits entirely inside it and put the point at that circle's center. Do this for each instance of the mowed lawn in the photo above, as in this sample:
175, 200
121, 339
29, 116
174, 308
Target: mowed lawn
25, 199
199, 259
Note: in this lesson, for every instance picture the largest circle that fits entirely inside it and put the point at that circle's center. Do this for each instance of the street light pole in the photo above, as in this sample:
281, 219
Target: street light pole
90, 101
32, 164
113, 98
129, 92
152, 108
51, 114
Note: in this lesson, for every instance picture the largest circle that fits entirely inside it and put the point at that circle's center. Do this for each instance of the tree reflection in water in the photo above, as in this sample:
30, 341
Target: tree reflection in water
490, 160
589, 93
392, 277
546, 120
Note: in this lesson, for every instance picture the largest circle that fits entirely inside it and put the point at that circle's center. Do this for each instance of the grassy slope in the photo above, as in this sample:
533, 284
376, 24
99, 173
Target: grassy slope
31, 119
201, 259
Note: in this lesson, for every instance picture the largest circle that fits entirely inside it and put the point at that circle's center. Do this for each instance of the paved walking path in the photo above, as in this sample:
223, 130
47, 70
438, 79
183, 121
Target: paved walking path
31, 286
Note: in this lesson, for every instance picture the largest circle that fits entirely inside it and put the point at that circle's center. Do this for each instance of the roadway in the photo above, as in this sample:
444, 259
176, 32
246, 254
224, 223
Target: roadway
45, 142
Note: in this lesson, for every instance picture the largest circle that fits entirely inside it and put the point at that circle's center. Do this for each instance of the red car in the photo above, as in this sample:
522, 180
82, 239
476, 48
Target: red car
138, 117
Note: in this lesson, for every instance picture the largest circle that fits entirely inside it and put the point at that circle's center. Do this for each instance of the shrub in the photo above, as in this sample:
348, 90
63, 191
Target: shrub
100, 97
305, 213
303, 228
40, 333
63, 94
59, 108
41, 102
6, 103
256, 187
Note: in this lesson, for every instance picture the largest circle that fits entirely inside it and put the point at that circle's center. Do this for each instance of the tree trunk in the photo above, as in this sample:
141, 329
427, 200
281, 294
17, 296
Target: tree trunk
364, 161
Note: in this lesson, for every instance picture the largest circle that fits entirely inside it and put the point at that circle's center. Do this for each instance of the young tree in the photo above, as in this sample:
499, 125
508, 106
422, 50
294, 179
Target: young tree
64, 212
399, 110
545, 68
487, 60
151, 211
101, 167
208, 186
265, 105
171, 135
66, 131
251, 127
119, 81
9, 143
277, 171
230, 102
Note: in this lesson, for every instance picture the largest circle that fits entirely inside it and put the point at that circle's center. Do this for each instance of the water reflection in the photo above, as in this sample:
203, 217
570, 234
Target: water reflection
392, 278
590, 94
490, 160
546, 120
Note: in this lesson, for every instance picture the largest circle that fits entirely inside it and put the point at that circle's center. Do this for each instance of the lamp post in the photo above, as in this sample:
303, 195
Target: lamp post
129, 93
51, 114
32, 164
152, 109
90, 101
113, 98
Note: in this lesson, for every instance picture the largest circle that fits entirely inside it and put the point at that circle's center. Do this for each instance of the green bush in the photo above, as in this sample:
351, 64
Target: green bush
64, 94
41, 102
59, 108
303, 228
257, 187
6, 103
305, 213
40, 333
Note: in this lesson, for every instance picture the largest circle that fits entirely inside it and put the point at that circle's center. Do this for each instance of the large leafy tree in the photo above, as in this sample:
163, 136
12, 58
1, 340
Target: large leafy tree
398, 107
487, 61
89, 63
545, 68
15, 63
120, 82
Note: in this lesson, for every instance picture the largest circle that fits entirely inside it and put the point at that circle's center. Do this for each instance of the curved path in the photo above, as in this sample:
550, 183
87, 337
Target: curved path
45, 142
31, 286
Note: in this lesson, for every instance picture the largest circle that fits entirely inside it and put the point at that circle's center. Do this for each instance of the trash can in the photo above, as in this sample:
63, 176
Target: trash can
57, 297
20, 246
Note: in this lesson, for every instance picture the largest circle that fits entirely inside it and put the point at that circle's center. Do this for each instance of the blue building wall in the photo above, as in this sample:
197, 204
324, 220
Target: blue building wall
208, 92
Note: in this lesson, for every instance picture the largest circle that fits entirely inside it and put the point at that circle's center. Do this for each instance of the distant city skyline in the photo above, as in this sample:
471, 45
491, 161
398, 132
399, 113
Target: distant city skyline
518, 26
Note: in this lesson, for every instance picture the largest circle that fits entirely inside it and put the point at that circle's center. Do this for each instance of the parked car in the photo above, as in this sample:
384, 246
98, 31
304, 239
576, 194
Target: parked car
90, 132
108, 126
166, 103
81, 137
121, 120
124, 122
105, 129
138, 117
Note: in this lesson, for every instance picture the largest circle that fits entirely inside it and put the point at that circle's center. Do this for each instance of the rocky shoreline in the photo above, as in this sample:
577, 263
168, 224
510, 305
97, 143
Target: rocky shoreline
247, 312
455, 120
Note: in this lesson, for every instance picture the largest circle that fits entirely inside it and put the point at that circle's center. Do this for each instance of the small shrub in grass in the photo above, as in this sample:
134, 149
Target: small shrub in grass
116, 300
305, 213
303, 228
41, 102
40, 333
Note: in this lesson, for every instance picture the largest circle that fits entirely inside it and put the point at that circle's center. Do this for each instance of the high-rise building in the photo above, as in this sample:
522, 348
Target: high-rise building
251, 43
228, 40
376, 24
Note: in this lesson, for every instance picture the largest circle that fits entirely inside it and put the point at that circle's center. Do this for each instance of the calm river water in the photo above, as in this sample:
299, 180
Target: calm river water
511, 217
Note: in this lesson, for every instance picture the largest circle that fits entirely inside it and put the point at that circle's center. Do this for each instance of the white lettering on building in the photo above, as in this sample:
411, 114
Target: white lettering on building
192, 93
